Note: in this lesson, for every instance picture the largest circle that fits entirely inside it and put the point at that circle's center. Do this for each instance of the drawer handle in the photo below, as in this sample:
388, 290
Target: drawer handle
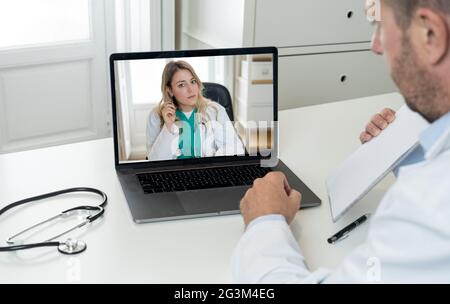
343, 79
349, 14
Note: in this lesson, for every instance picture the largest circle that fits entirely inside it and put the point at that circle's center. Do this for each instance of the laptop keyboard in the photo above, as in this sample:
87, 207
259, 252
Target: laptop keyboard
201, 178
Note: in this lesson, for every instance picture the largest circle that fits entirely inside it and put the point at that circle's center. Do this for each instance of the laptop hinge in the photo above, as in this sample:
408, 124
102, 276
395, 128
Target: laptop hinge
187, 167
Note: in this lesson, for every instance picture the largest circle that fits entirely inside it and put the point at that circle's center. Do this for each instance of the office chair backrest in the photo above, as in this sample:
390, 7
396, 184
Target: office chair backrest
220, 94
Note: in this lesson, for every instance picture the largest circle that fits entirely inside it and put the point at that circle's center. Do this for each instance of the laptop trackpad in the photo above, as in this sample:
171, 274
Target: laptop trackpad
212, 200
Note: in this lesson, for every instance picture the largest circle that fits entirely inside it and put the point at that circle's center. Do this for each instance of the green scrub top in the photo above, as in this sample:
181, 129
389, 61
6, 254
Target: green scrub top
189, 140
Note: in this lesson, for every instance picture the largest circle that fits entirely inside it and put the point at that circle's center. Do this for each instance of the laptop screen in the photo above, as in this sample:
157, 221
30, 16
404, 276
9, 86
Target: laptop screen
191, 106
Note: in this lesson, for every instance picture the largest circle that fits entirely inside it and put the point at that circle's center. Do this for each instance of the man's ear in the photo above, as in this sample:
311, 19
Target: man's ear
431, 34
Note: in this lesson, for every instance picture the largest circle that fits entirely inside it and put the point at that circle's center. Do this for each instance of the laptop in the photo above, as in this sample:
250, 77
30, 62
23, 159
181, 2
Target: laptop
194, 129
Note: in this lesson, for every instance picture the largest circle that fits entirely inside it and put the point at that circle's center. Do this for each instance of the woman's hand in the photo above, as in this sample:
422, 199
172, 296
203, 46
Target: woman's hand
168, 113
378, 123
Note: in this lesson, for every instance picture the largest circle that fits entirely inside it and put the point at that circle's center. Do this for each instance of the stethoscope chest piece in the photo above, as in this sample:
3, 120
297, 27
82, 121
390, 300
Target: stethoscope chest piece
72, 247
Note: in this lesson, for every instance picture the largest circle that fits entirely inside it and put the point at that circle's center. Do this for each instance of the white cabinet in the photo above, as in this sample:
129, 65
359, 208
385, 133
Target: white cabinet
254, 101
319, 78
287, 23
254, 90
257, 70
323, 45
259, 93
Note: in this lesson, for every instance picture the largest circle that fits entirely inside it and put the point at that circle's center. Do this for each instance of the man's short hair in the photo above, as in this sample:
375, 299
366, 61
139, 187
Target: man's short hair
405, 9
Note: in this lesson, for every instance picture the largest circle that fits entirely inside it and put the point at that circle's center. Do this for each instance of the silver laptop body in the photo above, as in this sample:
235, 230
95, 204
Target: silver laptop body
129, 73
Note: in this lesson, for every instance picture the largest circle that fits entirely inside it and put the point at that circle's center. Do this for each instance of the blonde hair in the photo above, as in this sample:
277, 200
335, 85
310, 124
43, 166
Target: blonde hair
169, 70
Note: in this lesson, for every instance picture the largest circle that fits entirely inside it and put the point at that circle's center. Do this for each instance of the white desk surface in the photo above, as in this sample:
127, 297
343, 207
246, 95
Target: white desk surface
313, 140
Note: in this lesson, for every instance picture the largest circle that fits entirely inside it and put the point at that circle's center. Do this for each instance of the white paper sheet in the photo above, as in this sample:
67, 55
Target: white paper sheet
365, 167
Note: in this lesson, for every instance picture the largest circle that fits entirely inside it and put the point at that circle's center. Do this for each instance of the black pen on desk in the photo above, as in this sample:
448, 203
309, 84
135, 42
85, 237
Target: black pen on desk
342, 234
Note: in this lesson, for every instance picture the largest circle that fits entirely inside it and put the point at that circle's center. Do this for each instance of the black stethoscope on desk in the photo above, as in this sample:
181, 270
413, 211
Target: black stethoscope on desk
69, 246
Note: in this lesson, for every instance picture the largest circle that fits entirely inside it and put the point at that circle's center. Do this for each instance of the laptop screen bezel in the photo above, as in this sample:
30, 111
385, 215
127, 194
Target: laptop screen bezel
193, 53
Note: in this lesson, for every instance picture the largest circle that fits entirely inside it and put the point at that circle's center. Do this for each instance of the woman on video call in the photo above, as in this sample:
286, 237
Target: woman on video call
185, 124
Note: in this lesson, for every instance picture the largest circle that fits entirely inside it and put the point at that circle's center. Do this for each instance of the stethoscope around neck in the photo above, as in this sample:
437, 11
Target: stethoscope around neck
70, 246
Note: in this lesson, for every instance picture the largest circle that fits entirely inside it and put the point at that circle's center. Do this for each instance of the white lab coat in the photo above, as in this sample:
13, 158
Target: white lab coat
408, 239
218, 137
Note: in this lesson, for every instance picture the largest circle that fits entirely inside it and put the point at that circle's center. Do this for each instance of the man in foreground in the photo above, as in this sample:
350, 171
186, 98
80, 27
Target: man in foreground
409, 234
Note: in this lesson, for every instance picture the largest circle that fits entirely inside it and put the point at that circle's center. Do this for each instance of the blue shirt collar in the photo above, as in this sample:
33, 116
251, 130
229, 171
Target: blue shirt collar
433, 133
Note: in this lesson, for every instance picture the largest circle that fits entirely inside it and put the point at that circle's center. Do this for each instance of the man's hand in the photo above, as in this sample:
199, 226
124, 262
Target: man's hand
378, 123
372, 8
270, 195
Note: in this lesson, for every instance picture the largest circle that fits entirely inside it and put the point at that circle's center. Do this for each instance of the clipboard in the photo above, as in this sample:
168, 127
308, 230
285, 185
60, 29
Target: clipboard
372, 161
